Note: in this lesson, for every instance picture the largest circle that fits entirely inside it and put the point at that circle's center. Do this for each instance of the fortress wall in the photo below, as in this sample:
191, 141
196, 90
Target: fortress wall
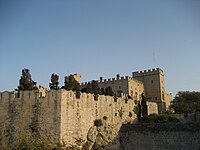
153, 83
152, 108
136, 88
168, 100
116, 85
164, 136
78, 115
57, 115
29, 115
120, 84
147, 72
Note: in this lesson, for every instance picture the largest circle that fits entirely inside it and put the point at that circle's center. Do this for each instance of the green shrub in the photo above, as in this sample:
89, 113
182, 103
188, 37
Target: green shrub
98, 122
30, 143
137, 111
105, 117
155, 118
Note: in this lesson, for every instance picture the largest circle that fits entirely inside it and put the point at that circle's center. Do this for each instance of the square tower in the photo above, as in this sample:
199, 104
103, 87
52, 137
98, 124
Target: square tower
154, 87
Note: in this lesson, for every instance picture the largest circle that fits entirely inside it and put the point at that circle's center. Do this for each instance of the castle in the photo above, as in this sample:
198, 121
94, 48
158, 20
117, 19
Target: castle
59, 115
150, 82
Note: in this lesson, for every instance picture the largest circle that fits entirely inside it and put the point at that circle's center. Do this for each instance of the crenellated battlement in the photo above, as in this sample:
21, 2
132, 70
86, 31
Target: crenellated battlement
64, 116
145, 72
28, 95
117, 78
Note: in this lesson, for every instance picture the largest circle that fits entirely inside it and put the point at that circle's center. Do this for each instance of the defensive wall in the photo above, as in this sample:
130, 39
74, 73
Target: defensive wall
57, 115
154, 87
163, 136
148, 72
153, 83
150, 82
121, 85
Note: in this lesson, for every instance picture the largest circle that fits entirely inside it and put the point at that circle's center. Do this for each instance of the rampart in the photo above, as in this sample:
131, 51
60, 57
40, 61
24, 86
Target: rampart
29, 113
164, 136
147, 72
121, 85
57, 115
118, 78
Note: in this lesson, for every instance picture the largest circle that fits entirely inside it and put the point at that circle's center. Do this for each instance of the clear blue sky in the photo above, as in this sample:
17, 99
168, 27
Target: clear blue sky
100, 38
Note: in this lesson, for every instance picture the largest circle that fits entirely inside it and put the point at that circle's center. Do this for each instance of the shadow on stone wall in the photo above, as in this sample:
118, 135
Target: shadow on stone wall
145, 136
163, 136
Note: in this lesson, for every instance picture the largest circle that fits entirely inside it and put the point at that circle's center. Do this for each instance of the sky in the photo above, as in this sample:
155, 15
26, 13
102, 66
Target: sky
100, 38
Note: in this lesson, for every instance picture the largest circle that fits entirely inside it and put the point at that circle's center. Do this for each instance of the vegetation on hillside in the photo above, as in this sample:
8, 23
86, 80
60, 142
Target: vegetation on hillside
141, 109
159, 118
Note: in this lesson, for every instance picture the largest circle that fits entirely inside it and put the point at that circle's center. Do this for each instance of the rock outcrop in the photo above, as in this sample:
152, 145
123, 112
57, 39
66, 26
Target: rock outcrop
103, 137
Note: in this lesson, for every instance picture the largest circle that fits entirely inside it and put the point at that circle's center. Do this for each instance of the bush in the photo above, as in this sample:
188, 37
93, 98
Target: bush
98, 122
155, 118
105, 117
30, 143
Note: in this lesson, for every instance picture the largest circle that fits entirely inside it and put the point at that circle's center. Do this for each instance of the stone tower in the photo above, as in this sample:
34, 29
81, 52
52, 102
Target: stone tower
77, 77
154, 87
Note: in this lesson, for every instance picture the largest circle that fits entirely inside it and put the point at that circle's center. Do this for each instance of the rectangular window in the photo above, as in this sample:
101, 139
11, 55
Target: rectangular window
136, 94
131, 93
152, 81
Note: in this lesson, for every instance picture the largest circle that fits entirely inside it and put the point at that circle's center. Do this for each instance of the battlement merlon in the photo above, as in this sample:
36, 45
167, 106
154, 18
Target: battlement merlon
117, 78
148, 72
101, 79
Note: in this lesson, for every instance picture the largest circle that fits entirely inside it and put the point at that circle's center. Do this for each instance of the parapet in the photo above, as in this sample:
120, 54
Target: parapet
145, 72
111, 80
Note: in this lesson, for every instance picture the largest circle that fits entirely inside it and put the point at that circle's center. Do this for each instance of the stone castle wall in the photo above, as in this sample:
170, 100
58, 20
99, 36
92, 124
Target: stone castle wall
154, 86
58, 115
152, 108
78, 115
126, 85
153, 83
167, 136
29, 114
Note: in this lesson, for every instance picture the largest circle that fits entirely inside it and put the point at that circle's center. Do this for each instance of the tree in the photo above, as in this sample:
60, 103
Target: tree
186, 102
54, 82
137, 111
92, 87
89, 88
95, 87
144, 106
84, 90
102, 91
26, 83
109, 91
72, 84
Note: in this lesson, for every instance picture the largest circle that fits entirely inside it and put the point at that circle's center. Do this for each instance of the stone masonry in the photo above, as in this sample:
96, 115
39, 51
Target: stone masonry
150, 82
58, 115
